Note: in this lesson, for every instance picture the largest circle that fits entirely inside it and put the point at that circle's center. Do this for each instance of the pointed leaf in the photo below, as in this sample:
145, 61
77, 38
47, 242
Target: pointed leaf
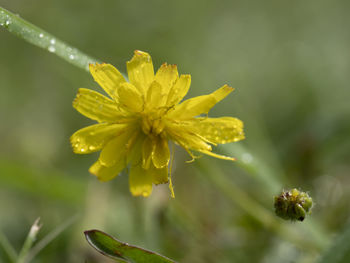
115, 249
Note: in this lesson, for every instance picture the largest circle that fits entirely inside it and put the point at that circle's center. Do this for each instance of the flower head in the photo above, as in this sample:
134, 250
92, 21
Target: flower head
140, 117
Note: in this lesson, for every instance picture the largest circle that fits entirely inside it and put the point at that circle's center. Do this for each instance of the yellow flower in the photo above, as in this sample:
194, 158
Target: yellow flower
141, 116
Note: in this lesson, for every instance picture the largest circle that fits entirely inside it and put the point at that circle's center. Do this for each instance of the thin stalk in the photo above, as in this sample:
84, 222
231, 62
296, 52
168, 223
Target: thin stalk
255, 167
256, 210
8, 248
40, 38
28, 243
48, 238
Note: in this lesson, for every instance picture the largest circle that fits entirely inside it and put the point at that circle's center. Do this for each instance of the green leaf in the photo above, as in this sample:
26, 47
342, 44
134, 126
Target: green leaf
115, 249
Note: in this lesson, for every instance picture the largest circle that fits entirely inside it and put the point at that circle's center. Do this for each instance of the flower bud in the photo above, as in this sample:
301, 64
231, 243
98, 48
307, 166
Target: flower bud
293, 205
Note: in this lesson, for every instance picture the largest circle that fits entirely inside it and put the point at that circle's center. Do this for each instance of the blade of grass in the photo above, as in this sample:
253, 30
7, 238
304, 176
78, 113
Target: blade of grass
38, 37
48, 238
7, 247
28, 243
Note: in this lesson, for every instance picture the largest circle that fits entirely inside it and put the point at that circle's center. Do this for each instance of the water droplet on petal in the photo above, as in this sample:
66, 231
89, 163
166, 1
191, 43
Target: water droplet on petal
144, 194
8, 22
91, 148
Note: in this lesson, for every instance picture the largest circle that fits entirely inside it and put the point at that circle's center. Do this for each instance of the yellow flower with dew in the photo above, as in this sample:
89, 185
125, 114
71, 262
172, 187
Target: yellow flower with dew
140, 118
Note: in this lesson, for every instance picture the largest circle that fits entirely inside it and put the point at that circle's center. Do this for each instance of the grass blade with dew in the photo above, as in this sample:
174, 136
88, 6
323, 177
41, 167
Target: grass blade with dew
38, 37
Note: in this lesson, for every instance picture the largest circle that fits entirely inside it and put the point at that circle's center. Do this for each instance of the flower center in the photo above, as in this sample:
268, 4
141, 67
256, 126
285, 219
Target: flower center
152, 125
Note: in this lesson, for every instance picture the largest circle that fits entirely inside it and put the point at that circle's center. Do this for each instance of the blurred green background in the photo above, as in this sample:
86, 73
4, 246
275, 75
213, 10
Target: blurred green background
289, 62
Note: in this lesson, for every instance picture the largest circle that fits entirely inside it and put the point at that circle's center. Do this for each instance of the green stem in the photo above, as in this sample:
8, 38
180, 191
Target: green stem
7, 247
253, 166
270, 179
38, 37
254, 209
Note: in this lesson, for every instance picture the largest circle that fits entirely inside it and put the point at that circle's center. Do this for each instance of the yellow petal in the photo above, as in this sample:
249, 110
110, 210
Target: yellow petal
179, 90
140, 71
154, 96
115, 149
161, 154
219, 156
199, 105
130, 98
107, 76
166, 76
104, 173
218, 130
183, 136
147, 150
140, 182
160, 176
94, 137
96, 106
134, 148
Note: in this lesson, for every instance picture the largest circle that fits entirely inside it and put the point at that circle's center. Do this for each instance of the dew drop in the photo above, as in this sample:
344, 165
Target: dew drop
53, 41
7, 22
82, 150
91, 148
52, 49
71, 56
41, 35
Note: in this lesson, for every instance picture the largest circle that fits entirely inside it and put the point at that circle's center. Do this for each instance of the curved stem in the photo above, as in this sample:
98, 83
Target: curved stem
257, 211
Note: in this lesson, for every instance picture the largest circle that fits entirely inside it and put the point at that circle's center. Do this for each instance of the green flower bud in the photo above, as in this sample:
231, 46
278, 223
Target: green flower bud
293, 205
